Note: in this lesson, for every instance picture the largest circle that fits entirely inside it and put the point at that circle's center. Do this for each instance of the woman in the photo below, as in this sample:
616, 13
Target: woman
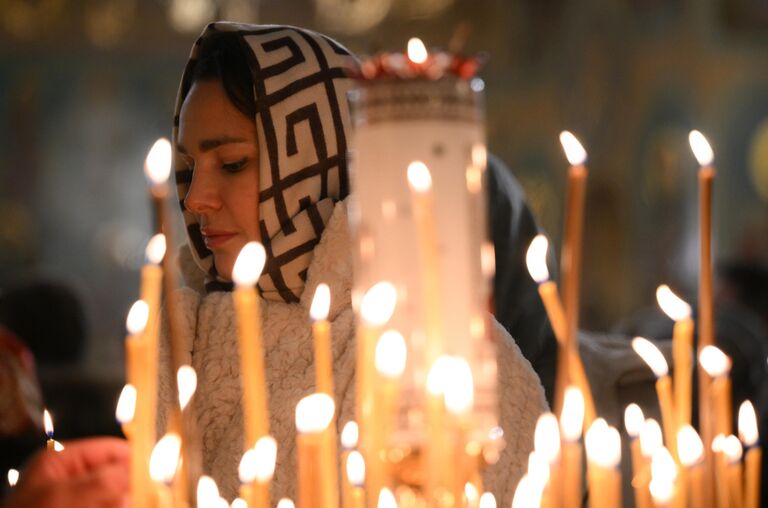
261, 139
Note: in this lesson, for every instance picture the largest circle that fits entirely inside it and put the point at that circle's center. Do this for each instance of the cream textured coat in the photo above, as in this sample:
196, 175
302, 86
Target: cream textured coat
211, 348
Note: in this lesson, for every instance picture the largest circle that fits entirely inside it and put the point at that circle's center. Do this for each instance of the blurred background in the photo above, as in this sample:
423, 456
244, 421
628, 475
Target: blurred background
87, 86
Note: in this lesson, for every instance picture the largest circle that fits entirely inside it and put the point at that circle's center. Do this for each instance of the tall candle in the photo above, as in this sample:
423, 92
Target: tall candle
349, 439
603, 446
633, 422
321, 331
717, 366
163, 463
658, 364
571, 422
749, 436
139, 476
527, 493
140, 430
256, 469
546, 442
390, 358
732, 453
650, 440
682, 350
245, 274
459, 398
540, 474
314, 414
355, 479
691, 451
721, 471
150, 292
663, 478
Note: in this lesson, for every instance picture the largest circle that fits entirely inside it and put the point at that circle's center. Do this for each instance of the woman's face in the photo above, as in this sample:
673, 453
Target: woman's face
219, 144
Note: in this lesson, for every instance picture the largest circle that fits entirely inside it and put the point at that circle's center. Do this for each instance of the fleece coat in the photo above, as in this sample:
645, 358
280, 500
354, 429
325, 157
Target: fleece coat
209, 329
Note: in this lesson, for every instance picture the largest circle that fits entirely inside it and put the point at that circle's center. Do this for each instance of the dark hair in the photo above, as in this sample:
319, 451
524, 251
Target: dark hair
224, 57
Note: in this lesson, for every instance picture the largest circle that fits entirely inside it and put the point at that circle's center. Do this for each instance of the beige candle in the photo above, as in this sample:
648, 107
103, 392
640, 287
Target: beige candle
682, 350
317, 481
139, 475
256, 470
603, 446
546, 443
163, 463
650, 440
349, 439
749, 436
732, 452
321, 331
571, 422
717, 366
663, 478
355, 480
633, 422
721, 472
691, 451
390, 358
150, 292
245, 274
459, 398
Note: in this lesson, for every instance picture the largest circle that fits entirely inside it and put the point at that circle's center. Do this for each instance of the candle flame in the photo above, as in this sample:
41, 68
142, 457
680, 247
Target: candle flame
48, 424
378, 303
207, 491
651, 356
459, 387
391, 354
239, 503
633, 420
663, 465
487, 259
718, 443
249, 264
321, 303
474, 177
479, 155
417, 51
57, 447
650, 437
526, 494
314, 413
186, 380
714, 361
748, 424
386, 499
419, 177
574, 150
732, 449
13, 477
572, 417
538, 469
546, 437
137, 317
258, 463
672, 305
689, 446
471, 493
536, 259
126, 404
350, 435
702, 150
662, 490
487, 500
157, 166
285, 503
603, 444
155, 250
356, 468
165, 458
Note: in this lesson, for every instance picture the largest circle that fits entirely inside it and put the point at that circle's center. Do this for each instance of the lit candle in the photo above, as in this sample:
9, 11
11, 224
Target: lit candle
163, 463
633, 422
386, 499
721, 471
691, 451
48, 425
355, 478
126, 408
13, 477
540, 474
571, 423
459, 398
139, 478
749, 436
717, 366
650, 441
207, 492
663, 477
150, 293
487, 500
285, 503
682, 350
256, 470
603, 445
733, 453
314, 414
658, 364
349, 438
245, 274
135, 356
321, 330
570, 368
390, 358
527, 494
546, 442
471, 495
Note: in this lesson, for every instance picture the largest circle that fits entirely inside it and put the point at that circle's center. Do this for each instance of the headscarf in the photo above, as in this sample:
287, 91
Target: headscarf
300, 80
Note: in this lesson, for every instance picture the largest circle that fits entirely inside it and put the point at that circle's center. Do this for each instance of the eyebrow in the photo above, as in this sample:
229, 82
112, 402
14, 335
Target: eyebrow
207, 145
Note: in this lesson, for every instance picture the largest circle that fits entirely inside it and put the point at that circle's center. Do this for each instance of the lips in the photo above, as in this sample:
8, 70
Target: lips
214, 238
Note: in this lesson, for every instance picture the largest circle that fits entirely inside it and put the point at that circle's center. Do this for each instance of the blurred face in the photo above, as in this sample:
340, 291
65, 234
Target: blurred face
219, 144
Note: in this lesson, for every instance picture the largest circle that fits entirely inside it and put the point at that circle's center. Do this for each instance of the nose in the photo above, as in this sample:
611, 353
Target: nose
203, 195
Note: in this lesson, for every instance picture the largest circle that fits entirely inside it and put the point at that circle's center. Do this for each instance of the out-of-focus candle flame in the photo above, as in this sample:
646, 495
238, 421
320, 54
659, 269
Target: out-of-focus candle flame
572, 417
714, 361
57, 447
459, 387
350, 435
314, 413
487, 500
417, 51
48, 424
378, 303
246, 471
672, 305
546, 437
574, 151
386, 499
663, 465
651, 356
285, 503
137, 317
239, 503
391, 354
419, 177
633, 420
356, 468
249, 264
689, 446
662, 490
157, 165
258, 463
471, 493
186, 380
650, 437
536, 259
603, 444
732, 449
207, 491
538, 469
526, 494
702, 150
13, 477
126, 404
321, 303
155, 250
488, 259
748, 424
165, 458
718, 443
479, 155
437, 378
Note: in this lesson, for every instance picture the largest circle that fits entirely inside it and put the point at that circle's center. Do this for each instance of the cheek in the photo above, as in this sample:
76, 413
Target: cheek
244, 204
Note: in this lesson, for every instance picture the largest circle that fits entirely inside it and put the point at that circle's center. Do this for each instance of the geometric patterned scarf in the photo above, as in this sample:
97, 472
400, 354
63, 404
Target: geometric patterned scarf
301, 79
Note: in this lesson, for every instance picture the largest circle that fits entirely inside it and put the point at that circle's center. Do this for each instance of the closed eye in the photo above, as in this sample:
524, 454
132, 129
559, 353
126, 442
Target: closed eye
234, 167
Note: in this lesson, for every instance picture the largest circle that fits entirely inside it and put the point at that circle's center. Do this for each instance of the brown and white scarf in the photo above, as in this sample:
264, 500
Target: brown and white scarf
301, 79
